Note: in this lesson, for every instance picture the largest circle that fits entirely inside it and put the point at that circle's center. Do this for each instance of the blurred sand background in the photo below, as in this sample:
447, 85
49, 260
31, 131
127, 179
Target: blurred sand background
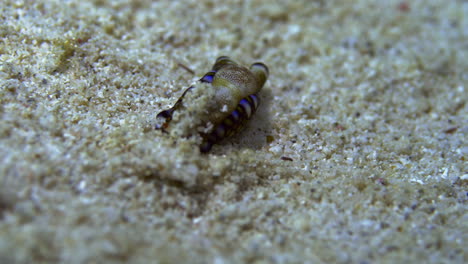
358, 152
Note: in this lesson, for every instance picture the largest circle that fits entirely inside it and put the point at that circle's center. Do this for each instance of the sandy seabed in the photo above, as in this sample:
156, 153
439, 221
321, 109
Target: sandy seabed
357, 154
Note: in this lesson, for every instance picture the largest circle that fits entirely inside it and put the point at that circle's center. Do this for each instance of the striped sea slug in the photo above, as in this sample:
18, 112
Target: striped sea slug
218, 105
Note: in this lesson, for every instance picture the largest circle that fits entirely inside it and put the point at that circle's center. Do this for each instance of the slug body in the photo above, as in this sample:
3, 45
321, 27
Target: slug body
219, 105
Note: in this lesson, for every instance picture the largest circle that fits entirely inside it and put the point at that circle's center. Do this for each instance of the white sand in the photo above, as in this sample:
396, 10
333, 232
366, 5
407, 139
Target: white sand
358, 152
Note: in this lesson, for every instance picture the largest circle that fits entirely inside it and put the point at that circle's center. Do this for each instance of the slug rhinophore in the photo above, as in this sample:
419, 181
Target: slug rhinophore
218, 105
